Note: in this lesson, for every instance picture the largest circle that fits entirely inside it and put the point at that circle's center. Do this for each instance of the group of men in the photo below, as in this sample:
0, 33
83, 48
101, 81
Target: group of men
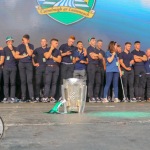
53, 65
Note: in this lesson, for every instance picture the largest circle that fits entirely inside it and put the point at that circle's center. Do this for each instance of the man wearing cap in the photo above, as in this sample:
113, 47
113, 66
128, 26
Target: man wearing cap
67, 66
93, 71
80, 61
102, 65
139, 71
9, 70
53, 58
24, 54
39, 61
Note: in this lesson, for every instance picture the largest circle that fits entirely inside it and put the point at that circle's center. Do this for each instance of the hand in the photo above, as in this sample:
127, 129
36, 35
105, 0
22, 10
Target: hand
26, 55
36, 65
1, 48
52, 48
121, 74
92, 54
68, 53
128, 68
104, 68
77, 59
100, 56
82, 62
114, 53
131, 62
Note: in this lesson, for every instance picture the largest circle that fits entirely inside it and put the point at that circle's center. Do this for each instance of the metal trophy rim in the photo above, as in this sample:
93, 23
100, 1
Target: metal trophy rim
1, 135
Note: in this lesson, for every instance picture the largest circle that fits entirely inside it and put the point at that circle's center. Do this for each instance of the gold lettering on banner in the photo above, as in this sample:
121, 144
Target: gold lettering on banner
51, 10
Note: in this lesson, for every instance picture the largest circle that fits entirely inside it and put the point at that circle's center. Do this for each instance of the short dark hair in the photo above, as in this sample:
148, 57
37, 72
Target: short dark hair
128, 43
26, 36
53, 39
137, 42
99, 40
91, 38
118, 45
79, 42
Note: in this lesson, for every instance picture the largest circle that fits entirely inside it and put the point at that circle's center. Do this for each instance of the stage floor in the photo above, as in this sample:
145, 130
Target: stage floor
123, 126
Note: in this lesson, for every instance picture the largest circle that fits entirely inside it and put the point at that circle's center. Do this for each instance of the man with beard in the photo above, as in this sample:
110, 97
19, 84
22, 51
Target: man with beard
80, 61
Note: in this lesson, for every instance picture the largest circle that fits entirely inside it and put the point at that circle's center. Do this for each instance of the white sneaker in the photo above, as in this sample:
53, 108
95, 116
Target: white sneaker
116, 100
105, 100
5, 100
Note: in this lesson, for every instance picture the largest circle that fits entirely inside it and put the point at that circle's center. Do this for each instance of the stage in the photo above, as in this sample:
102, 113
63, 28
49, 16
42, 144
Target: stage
123, 126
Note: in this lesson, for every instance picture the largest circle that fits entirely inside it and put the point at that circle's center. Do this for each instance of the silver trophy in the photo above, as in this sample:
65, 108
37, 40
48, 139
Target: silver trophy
1, 128
74, 93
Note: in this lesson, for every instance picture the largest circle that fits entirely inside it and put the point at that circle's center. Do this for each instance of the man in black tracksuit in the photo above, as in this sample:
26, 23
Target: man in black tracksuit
67, 66
147, 67
53, 58
24, 54
126, 60
39, 61
139, 71
9, 70
93, 71
102, 65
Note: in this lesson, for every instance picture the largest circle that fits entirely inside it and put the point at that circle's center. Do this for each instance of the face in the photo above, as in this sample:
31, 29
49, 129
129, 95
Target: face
80, 46
128, 47
93, 42
119, 49
148, 53
70, 42
24, 40
54, 44
43, 42
10, 42
137, 46
99, 44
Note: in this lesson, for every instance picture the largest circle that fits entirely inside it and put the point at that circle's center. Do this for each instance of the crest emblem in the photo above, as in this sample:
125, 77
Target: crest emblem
66, 11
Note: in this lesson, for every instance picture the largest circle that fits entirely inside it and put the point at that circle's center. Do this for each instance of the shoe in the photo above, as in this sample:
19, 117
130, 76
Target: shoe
32, 100
45, 100
5, 100
133, 100
142, 99
37, 100
125, 100
98, 100
52, 100
105, 100
91, 100
116, 100
13, 100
